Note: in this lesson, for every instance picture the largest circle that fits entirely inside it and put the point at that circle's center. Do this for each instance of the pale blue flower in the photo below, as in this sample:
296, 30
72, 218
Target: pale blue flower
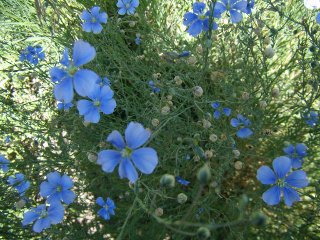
107, 209
127, 6
93, 19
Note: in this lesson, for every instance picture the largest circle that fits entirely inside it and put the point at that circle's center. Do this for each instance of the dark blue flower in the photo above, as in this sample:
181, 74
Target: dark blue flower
244, 131
198, 20
32, 54
7, 140
93, 19
127, 6
153, 87
57, 189
283, 182
43, 216
312, 118
182, 181
4, 163
184, 54
145, 158
234, 7
102, 100
107, 209
138, 40
69, 77
217, 112
19, 183
296, 154
64, 106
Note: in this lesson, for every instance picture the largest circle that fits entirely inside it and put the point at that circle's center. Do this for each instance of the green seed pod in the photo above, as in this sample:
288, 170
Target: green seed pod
182, 198
204, 174
203, 233
167, 180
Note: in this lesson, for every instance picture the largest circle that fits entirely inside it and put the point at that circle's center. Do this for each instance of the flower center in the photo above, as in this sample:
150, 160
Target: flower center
72, 70
228, 7
93, 19
59, 189
126, 152
96, 103
281, 183
106, 207
202, 17
43, 214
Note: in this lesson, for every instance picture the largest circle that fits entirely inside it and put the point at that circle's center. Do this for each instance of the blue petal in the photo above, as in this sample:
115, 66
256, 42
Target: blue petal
235, 122
66, 182
281, 166
64, 90
195, 28
297, 179
318, 18
120, 4
106, 93
104, 214
296, 162
116, 140
244, 133
301, 150
131, 10
100, 201
241, 6
54, 198
30, 217
266, 176
65, 57
136, 135
103, 17
84, 106
92, 116
41, 224
198, 7
57, 74
87, 26
145, 159
135, 3
127, 170
46, 189
109, 159
122, 11
95, 11
289, 150
56, 213
85, 82
219, 8
54, 178
290, 196
272, 196
85, 15
215, 105
235, 16
227, 111
83, 53
68, 196
96, 27
107, 107
216, 114
189, 18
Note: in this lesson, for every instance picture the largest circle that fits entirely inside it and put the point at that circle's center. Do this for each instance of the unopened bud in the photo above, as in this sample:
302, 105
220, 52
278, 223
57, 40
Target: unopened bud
182, 198
206, 124
165, 110
167, 180
92, 157
204, 174
132, 23
275, 92
158, 212
238, 165
245, 96
259, 219
20, 204
178, 80
263, 104
155, 122
213, 138
192, 60
197, 91
203, 233
236, 153
269, 52
208, 154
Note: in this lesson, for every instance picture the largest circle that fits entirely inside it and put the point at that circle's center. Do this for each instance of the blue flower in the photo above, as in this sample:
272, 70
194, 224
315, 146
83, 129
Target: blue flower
243, 132
250, 6
127, 6
318, 18
102, 100
145, 158
64, 106
19, 183
282, 183
93, 19
107, 209
198, 20
138, 40
69, 77
7, 140
312, 118
32, 54
57, 189
296, 154
153, 87
43, 216
234, 7
184, 54
103, 81
217, 112
4, 163
182, 181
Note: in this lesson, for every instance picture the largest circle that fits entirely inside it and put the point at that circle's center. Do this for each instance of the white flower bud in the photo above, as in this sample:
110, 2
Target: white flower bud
197, 91
155, 122
206, 124
182, 198
192, 60
213, 138
158, 212
238, 165
269, 52
178, 80
165, 110
263, 104
236, 153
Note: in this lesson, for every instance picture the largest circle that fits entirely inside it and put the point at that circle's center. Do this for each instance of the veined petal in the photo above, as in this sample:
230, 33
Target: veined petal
96, 27
301, 149
281, 166
41, 224
85, 81
145, 159
56, 213
68, 196
297, 179
107, 107
85, 15
100, 201
272, 196
136, 135
244, 133
195, 28
92, 116
64, 90
65, 58
103, 17
235, 16
266, 176
290, 196
95, 11
106, 93
127, 170
57, 74
66, 182
241, 6
84, 106
198, 7
235, 122
54, 178
30, 217
109, 159
83, 53
135, 3
46, 189
189, 18
87, 26
116, 140
289, 150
